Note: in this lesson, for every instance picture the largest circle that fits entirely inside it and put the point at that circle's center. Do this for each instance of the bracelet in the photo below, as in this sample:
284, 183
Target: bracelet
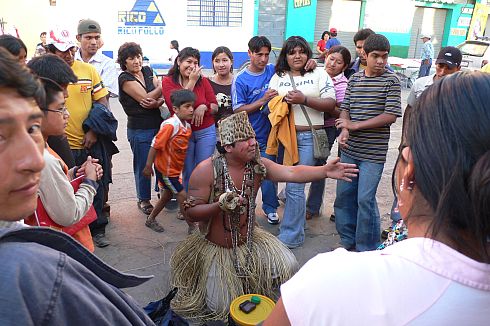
305, 102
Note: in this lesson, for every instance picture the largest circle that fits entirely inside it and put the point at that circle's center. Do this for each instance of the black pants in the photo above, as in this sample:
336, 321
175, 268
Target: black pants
97, 226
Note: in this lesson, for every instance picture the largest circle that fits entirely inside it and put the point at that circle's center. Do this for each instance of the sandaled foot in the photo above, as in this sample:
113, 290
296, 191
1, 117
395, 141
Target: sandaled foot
154, 225
310, 215
145, 206
180, 216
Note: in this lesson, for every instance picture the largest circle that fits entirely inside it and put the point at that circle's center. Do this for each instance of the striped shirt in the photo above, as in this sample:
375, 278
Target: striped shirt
366, 98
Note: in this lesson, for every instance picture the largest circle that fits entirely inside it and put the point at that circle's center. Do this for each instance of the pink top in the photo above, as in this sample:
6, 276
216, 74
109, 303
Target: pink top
340, 85
416, 281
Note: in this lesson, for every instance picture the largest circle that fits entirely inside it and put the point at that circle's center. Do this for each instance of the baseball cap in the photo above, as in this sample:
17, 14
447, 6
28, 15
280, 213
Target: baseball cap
333, 30
88, 26
425, 36
61, 39
450, 56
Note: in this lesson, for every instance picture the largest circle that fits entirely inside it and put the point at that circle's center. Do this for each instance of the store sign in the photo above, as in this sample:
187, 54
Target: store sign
458, 32
143, 19
466, 10
464, 21
301, 3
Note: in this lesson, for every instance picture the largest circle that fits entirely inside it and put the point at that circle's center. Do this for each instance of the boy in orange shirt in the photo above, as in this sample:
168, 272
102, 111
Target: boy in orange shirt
168, 150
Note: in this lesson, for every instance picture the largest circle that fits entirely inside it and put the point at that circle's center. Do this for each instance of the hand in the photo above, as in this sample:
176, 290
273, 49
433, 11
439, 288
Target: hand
148, 171
90, 170
343, 138
295, 97
342, 123
268, 95
149, 103
341, 171
195, 73
198, 115
310, 65
89, 139
98, 168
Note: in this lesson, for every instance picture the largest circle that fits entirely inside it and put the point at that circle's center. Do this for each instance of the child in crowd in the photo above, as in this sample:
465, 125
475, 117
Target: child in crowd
371, 104
168, 150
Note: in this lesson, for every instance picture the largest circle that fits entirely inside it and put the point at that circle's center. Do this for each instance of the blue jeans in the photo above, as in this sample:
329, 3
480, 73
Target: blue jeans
425, 68
140, 142
201, 146
268, 188
292, 231
315, 195
356, 210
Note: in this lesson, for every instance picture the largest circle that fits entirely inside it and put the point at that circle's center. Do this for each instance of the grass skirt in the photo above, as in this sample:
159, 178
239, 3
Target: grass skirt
271, 264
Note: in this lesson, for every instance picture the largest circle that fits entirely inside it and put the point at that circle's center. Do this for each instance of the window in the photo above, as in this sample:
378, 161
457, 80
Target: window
214, 13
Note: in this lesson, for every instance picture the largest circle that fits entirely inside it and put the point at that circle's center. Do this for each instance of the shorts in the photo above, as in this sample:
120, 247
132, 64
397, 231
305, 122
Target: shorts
170, 183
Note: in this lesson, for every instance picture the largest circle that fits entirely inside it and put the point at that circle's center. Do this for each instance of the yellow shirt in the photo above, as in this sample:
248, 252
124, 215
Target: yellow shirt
486, 68
81, 95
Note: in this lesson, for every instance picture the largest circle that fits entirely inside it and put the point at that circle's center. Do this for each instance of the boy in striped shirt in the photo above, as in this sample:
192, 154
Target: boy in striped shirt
371, 104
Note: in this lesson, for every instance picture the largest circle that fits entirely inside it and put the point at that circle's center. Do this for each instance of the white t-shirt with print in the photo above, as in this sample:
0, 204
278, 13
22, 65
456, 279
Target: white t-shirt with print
316, 83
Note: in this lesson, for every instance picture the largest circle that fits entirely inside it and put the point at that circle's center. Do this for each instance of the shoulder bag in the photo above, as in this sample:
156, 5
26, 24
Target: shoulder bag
321, 149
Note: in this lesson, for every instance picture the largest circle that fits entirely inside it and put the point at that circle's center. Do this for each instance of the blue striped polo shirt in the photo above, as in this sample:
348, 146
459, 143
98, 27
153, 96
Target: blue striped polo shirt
365, 98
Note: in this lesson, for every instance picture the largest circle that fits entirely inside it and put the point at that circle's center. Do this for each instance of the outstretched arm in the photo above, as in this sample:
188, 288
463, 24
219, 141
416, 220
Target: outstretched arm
303, 173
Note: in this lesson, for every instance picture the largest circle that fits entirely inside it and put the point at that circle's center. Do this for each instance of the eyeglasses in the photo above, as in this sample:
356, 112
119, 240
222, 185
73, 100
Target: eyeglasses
63, 110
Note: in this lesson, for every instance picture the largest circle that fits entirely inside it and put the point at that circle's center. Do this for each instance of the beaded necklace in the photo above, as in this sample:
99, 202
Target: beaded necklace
248, 192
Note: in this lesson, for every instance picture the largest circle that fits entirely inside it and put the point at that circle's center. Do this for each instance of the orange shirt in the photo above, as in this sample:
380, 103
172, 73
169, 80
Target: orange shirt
171, 145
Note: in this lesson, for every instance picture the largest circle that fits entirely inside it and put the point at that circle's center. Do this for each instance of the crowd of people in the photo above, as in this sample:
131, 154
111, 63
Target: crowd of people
212, 143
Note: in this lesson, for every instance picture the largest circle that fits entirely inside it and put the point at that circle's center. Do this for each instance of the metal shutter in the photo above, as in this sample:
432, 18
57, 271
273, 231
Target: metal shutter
326, 18
426, 21
272, 21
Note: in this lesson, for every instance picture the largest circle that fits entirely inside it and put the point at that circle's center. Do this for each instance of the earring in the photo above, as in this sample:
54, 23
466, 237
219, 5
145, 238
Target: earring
410, 185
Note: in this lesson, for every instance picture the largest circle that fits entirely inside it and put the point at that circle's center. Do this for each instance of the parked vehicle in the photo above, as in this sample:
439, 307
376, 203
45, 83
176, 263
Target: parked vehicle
476, 53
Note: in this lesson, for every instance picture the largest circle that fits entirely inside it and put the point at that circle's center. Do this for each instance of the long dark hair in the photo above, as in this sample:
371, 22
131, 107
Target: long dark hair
185, 53
175, 45
225, 50
282, 65
449, 136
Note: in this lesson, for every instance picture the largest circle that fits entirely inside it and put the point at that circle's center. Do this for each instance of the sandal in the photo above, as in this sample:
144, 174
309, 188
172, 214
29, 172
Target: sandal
310, 215
180, 216
154, 225
145, 206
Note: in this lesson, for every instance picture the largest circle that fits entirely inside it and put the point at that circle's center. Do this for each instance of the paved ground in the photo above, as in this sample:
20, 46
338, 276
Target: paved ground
136, 249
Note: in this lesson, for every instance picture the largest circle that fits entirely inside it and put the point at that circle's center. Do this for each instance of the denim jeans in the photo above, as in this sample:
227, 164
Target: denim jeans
97, 226
356, 210
268, 188
315, 195
292, 231
425, 68
201, 146
140, 142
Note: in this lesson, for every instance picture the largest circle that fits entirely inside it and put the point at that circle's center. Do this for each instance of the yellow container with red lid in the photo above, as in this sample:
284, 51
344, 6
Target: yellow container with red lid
257, 315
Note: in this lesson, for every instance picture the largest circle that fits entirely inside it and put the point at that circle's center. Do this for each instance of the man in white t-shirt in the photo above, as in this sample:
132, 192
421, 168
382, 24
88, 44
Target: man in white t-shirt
88, 34
448, 62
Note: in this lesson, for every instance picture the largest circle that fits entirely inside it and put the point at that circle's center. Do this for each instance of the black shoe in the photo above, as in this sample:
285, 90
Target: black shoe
100, 240
332, 217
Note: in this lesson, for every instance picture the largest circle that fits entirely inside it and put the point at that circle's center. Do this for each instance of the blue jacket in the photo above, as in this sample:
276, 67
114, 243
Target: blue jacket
101, 121
47, 278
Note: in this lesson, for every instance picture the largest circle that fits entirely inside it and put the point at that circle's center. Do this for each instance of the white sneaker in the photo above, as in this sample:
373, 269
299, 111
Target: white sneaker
273, 218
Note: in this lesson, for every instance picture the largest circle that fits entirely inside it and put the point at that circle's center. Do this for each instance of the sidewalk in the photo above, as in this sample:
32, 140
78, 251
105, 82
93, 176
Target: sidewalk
137, 249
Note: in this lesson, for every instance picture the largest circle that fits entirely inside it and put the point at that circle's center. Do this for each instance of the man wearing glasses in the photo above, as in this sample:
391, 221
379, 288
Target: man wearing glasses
82, 94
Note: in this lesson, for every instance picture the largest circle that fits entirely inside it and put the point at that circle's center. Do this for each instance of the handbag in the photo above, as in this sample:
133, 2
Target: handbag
42, 218
321, 148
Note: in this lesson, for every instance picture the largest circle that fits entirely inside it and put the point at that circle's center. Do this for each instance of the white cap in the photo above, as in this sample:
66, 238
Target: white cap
425, 36
61, 39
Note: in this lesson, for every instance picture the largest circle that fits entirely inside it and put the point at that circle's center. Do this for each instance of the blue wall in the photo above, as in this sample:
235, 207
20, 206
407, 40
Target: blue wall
301, 21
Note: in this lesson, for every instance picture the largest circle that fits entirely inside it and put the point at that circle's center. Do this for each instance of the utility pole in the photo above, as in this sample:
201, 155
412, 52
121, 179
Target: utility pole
2, 25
